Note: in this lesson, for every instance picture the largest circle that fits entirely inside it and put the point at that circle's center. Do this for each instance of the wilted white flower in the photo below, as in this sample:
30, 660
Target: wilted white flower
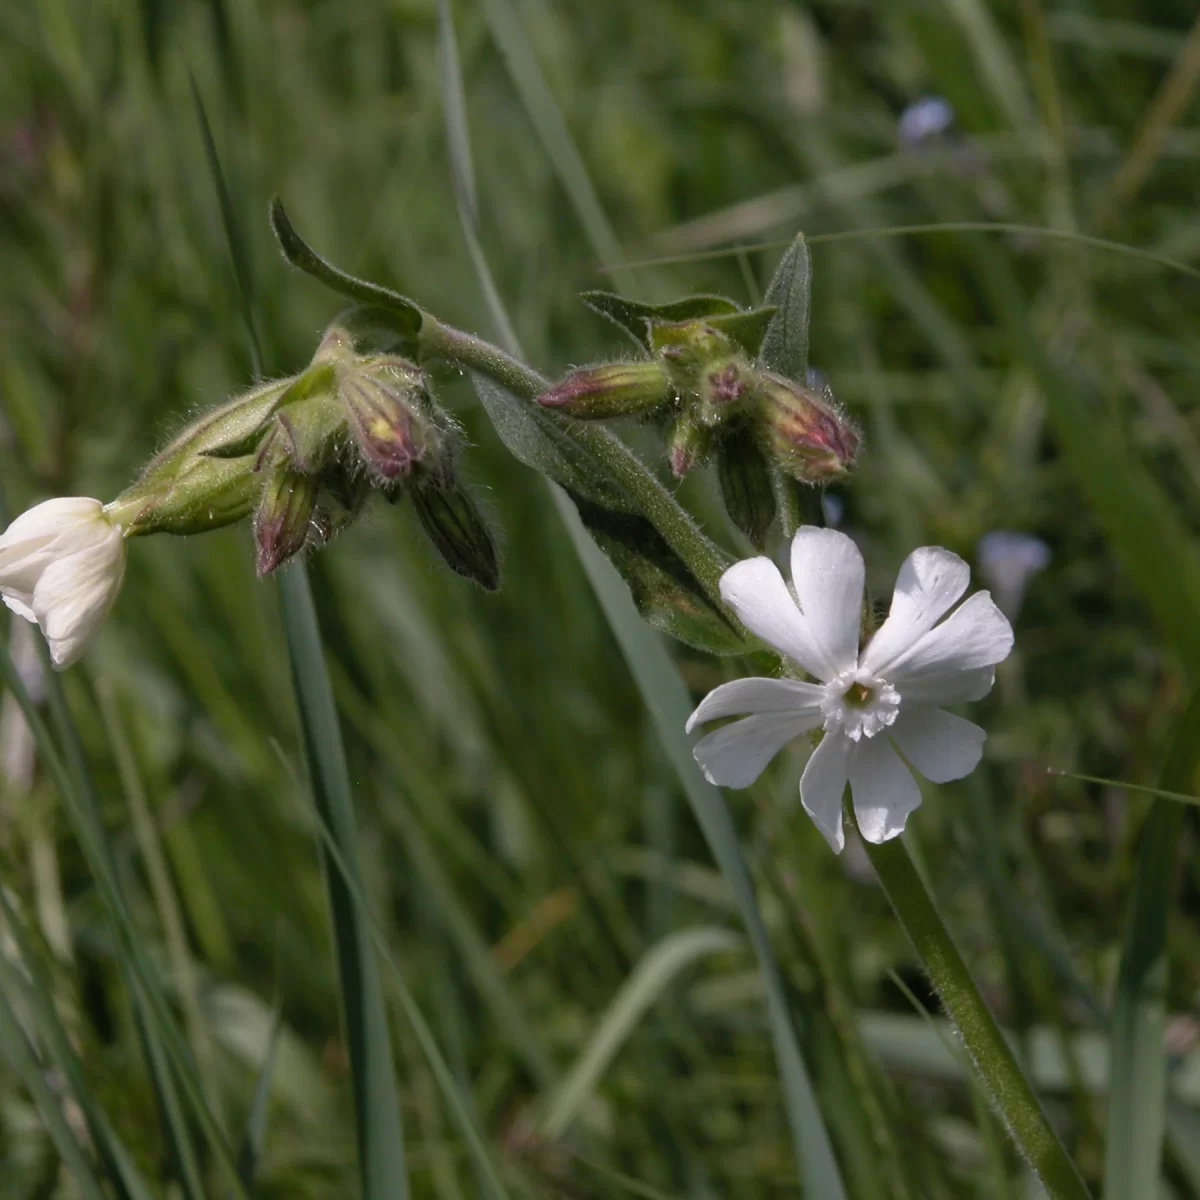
871, 702
61, 565
1008, 561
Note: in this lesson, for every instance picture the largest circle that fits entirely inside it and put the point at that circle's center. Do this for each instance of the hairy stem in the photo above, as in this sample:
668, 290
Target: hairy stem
990, 1054
702, 557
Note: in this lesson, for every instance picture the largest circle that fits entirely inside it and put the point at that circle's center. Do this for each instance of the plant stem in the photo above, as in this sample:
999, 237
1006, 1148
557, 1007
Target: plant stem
991, 1055
702, 557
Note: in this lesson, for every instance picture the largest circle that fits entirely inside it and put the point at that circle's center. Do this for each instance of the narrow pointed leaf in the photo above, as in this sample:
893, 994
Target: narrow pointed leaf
785, 344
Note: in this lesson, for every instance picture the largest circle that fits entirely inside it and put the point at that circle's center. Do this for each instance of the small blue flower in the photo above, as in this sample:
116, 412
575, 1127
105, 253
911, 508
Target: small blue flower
1007, 562
924, 119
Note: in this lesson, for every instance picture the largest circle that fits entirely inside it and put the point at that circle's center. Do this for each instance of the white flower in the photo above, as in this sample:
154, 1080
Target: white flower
871, 703
61, 565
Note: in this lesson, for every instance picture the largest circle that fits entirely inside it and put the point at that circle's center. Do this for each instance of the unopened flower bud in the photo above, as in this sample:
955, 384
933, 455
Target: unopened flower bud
803, 433
457, 528
610, 390
687, 445
386, 401
281, 523
746, 486
693, 341
722, 387
197, 495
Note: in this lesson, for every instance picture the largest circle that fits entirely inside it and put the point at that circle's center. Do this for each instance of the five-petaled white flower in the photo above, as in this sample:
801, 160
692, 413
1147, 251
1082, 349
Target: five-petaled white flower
870, 702
61, 565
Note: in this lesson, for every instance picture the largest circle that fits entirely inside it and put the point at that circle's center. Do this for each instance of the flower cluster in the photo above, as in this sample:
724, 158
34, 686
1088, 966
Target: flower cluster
702, 381
874, 703
300, 455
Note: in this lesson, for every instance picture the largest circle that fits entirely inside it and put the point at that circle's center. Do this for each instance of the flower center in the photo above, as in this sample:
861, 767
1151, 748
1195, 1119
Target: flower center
859, 705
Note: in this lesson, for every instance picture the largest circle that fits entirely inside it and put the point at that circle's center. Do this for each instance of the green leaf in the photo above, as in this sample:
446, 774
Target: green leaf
546, 442
1138, 1094
652, 976
785, 345
748, 329
666, 594
407, 317
376, 1101
632, 316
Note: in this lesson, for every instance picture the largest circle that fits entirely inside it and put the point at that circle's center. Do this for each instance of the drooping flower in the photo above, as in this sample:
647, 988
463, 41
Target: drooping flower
875, 703
61, 566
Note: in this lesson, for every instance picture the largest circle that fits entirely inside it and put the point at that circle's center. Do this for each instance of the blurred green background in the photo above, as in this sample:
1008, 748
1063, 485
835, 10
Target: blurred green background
524, 840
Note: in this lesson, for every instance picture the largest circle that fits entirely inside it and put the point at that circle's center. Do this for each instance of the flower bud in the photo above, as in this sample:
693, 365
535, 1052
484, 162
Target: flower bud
723, 386
457, 528
610, 390
687, 444
689, 345
386, 401
746, 486
803, 433
202, 493
281, 523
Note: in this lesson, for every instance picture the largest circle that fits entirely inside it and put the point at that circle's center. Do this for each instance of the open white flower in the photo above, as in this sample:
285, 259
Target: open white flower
61, 565
871, 703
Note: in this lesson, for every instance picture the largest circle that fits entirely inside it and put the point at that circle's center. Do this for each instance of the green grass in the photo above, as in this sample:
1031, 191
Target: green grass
581, 971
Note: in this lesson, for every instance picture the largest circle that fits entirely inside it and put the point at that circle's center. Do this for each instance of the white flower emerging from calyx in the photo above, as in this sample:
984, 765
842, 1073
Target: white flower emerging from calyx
61, 565
870, 703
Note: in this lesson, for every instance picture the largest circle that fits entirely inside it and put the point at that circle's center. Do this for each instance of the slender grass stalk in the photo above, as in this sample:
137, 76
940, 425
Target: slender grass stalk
993, 1059
376, 1100
1137, 1056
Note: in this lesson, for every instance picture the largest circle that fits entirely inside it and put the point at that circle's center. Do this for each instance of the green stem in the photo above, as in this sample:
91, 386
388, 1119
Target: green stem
701, 556
991, 1055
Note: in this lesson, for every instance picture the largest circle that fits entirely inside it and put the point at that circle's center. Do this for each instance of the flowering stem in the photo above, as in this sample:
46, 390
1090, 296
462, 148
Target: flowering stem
991, 1055
701, 556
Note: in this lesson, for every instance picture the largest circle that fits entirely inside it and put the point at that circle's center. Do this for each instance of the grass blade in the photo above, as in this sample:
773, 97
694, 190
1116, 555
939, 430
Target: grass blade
651, 977
256, 1123
1137, 1101
21, 1057
239, 252
667, 699
376, 1101
551, 127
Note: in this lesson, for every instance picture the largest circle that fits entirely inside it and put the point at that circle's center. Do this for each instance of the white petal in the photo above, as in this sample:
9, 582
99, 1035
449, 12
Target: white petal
930, 582
736, 755
940, 745
46, 520
755, 590
827, 576
977, 634
883, 788
756, 695
75, 594
20, 602
956, 687
823, 784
